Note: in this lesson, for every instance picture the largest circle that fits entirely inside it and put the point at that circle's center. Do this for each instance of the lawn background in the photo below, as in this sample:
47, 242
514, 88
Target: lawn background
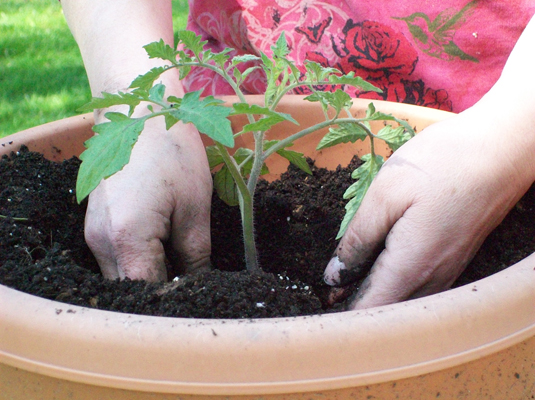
42, 77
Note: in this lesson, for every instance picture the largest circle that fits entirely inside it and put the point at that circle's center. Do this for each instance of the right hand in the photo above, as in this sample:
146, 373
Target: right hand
163, 193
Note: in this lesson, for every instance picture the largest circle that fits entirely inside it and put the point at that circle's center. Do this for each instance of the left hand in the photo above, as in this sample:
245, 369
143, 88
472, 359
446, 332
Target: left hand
431, 207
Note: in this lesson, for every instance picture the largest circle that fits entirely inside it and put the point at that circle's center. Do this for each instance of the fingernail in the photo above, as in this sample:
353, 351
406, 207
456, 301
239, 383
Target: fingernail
331, 276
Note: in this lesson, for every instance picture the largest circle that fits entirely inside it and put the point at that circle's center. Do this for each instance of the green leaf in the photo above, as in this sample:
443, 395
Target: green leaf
394, 137
108, 152
161, 50
246, 73
173, 99
219, 58
191, 41
351, 79
109, 100
373, 115
356, 192
263, 124
317, 73
146, 81
244, 58
295, 158
280, 49
246, 108
214, 156
340, 100
343, 133
241, 154
157, 92
208, 116
169, 121
254, 109
237, 76
226, 187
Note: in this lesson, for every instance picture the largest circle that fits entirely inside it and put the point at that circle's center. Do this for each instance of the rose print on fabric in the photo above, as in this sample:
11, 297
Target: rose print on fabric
376, 50
385, 58
436, 37
314, 33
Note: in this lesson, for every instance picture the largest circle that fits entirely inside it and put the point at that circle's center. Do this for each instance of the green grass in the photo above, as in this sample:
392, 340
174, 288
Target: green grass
42, 77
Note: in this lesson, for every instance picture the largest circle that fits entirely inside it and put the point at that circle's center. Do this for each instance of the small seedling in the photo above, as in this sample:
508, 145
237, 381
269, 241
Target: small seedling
237, 175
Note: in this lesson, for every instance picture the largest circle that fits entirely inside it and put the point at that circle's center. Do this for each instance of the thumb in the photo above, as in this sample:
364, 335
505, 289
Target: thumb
123, 251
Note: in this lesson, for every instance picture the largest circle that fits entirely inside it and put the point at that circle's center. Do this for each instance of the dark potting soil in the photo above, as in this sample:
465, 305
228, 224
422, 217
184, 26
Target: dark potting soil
297, 218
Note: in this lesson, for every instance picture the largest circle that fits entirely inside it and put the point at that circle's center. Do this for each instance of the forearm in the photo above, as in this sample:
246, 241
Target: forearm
111, 36
507, 112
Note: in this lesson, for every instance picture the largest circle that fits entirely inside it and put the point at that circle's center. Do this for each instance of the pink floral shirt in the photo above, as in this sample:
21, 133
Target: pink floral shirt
443, 54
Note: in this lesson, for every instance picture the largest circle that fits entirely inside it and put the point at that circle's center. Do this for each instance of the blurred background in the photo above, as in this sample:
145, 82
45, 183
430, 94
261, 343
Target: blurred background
42, 77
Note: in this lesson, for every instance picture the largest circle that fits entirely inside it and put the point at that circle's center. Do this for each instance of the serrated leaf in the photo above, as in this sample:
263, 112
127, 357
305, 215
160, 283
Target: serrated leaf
280, 48
214, 156
356, 192
370, 110
245, 108
314, 97
169, 121
394, 137
263, 124
296, 158
373, 115
357, 81
161, 50
295, 73
109, 100
317, 73
254, 109
343, 133
226, 187
371, 166
340, 100
108, 152
267, 63
208, 116
241, 154
146, 81
246, 73
314, 71
219, 58
237, 76
157, 92
191, 41
244, 58
175, 100
351, 209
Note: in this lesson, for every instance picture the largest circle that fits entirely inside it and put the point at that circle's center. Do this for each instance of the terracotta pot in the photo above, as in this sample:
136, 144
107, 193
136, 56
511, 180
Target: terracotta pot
476, 341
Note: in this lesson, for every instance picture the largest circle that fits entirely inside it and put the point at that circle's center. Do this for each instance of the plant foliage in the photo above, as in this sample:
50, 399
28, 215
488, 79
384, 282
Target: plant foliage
236, 175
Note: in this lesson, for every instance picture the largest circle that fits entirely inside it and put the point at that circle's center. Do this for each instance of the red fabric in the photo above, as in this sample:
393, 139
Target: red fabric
442, 54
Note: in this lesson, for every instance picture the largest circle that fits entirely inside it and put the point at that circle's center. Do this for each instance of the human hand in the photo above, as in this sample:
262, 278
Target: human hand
430, 208
163, 193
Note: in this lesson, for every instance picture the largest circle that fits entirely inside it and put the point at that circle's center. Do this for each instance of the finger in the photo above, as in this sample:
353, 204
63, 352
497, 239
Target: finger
190, 236
124, 245
419, 259
129, 255
95, 239
366, 233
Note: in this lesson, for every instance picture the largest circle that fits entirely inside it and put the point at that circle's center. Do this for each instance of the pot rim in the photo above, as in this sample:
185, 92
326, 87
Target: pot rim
247, 356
